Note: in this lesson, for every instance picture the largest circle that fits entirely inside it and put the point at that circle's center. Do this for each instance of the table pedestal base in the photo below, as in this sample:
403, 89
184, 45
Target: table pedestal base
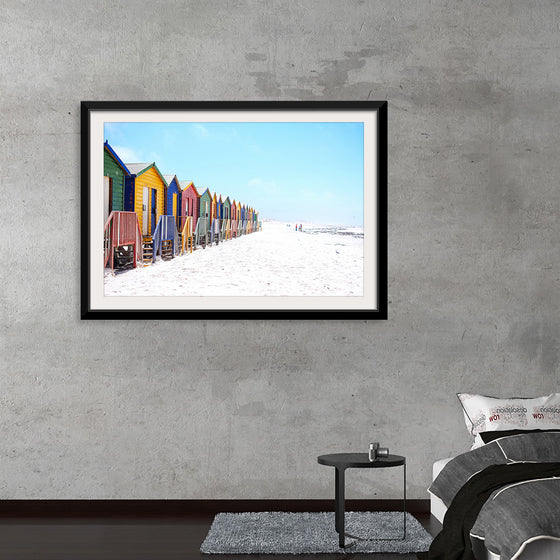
339, 509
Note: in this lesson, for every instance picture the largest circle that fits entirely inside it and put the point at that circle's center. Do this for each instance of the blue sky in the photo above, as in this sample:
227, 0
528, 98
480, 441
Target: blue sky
296, 172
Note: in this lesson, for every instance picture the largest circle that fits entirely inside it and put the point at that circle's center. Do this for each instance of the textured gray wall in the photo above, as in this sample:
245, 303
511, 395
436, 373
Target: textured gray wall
241, 409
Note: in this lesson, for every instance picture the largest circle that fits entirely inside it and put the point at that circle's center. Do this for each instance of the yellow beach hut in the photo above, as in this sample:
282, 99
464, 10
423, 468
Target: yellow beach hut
214, 207
239, 219
145, 192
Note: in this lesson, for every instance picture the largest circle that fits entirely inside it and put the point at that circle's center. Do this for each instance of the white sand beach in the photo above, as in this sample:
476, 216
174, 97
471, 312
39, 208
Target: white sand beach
276, 261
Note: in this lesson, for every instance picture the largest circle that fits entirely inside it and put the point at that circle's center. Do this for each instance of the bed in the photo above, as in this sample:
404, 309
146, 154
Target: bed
501, 499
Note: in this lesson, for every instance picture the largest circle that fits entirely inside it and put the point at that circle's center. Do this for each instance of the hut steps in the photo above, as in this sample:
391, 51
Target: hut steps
123, 257
187, 244
147, 250
167, 249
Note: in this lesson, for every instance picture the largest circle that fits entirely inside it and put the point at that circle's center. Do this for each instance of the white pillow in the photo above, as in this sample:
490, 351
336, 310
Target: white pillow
483, 414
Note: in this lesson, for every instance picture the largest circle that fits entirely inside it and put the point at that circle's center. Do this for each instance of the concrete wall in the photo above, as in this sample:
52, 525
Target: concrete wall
241, 409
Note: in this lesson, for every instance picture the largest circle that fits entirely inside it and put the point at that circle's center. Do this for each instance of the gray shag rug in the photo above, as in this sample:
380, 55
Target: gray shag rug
278, 532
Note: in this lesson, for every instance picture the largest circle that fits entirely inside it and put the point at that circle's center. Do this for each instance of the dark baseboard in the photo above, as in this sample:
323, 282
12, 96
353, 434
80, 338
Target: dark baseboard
178, 508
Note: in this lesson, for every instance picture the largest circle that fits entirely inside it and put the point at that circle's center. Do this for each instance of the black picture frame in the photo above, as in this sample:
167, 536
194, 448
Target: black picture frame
373, 307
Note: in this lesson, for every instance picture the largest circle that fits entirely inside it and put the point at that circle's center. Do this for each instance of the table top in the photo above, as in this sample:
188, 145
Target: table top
360, 461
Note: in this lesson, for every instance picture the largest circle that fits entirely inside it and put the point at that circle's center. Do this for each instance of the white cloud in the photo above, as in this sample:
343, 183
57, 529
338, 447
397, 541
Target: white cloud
112, 129
307, 193
269, 187
170, 137
127, 154
203, 131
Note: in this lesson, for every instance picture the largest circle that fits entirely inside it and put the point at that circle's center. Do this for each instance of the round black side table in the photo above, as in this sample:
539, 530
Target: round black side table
343, 461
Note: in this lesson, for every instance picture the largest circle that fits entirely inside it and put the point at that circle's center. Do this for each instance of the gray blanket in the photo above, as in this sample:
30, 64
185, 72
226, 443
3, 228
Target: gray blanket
516, 513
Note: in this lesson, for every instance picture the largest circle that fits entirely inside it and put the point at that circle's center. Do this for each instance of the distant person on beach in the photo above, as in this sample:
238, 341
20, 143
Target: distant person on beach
296, 227
300, 226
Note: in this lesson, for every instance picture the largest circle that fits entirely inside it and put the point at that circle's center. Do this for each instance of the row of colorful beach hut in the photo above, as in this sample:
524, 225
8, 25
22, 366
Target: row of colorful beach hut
149, 214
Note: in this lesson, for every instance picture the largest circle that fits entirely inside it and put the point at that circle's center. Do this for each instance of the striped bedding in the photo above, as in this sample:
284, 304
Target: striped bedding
515, 513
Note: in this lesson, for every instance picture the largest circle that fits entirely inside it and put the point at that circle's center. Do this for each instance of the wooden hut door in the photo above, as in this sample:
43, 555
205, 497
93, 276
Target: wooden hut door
206, 224
107, 196
154, 208
145, 210
176, 210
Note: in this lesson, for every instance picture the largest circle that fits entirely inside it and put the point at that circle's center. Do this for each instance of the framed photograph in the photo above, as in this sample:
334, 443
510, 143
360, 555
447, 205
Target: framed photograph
224, 210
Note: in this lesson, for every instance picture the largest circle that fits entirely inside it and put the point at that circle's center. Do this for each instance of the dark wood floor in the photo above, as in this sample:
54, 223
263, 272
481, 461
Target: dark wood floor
130, 538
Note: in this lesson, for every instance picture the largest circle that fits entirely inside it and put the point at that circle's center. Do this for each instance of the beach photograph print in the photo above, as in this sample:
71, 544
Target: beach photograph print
233, 210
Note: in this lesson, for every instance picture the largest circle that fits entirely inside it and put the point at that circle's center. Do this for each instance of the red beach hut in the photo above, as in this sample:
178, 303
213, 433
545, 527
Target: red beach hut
191, 200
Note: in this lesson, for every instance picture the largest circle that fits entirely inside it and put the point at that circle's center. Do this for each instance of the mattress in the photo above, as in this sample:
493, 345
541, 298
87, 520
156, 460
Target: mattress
437, 507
